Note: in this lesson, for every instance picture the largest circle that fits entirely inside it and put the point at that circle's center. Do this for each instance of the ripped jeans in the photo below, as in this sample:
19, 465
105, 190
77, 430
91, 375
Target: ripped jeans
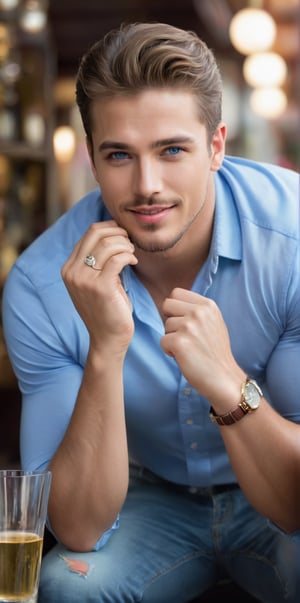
170, 547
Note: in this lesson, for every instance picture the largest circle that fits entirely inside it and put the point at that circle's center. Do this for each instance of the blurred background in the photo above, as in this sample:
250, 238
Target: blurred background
43, 161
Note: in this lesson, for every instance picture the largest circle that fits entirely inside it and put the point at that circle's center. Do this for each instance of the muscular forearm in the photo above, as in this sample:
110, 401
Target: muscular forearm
264, 449
90, 468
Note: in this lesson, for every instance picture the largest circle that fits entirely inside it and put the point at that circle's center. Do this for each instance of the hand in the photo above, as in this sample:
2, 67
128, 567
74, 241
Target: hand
98, 295
197, 337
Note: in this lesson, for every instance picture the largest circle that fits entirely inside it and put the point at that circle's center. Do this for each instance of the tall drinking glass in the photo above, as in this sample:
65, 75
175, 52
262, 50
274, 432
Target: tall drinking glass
23, 510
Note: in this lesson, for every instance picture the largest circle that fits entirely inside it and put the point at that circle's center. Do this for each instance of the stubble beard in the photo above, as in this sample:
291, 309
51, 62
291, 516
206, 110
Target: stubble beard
152, 247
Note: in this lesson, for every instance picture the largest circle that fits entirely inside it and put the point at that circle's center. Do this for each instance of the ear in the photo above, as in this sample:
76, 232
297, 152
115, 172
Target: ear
217, 147
91, 156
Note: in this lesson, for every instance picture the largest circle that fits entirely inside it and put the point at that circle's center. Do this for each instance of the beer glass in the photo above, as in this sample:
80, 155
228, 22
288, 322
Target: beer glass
23, 510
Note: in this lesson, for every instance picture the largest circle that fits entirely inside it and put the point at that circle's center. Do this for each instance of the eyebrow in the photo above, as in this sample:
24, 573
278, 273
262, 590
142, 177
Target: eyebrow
121, 146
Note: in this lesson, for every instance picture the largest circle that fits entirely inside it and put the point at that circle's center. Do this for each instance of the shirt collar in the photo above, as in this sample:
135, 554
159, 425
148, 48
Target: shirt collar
227, 236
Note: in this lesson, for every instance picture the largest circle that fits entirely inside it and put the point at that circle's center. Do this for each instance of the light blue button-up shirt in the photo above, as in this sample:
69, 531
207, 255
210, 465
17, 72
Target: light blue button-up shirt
252, 272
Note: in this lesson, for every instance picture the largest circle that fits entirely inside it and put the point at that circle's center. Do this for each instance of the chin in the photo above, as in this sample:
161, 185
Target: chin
155, 246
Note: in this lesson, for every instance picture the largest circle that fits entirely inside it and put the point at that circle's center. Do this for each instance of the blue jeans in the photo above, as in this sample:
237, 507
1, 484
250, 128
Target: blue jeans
171, 547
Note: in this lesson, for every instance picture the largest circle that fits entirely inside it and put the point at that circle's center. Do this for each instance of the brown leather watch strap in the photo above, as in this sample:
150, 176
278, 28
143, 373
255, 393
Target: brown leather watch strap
250, 395
229, 417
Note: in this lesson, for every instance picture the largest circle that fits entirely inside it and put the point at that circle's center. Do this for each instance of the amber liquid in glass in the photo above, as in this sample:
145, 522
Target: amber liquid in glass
20, 560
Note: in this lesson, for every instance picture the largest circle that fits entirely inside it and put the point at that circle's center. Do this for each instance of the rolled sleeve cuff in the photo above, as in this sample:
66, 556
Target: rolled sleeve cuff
106, 535
101, 542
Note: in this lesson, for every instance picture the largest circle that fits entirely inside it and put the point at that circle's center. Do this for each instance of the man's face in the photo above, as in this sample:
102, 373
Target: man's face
154, 164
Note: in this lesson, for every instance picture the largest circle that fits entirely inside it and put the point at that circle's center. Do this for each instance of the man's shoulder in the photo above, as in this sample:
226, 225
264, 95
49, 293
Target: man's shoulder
253, 172
264, 193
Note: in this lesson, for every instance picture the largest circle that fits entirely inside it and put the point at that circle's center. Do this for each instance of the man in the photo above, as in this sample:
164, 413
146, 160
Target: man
157, 325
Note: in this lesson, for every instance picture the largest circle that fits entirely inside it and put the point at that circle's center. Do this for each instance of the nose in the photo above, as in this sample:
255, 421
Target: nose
147, 178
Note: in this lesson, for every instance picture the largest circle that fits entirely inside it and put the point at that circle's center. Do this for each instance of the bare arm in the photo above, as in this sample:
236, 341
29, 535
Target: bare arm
263, 447
90, 467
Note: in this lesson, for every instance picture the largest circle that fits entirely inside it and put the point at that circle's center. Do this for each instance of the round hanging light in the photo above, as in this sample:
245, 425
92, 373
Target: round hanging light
64, 143
33, 18
268, 103
252, 30
264, 69
9, 4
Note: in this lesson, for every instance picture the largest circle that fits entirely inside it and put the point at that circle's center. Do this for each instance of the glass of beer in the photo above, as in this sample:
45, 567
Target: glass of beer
23, 510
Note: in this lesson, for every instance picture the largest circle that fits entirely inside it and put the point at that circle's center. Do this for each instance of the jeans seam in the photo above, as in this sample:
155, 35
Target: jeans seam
261, 559
165, 571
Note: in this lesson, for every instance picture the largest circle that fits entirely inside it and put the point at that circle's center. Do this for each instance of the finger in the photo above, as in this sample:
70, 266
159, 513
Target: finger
176, 344
107, 272
185, 295
97, 232
100, 251
173, 324
102, 254
174, 307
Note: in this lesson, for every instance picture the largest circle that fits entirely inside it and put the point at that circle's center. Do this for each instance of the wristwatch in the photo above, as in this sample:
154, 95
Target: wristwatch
250, 400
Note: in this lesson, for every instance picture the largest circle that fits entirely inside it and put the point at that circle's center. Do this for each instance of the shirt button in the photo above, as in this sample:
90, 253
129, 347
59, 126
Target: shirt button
189, 422
194, 445
187, 391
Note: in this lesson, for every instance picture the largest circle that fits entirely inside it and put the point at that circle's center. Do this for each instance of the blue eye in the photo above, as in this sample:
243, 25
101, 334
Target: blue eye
173, 150
119, 155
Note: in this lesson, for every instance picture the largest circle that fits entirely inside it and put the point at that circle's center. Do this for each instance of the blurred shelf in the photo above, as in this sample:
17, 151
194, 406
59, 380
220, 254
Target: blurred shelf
22, 150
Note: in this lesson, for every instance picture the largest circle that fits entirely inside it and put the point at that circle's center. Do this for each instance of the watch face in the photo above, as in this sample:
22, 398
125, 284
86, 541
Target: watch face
252, 395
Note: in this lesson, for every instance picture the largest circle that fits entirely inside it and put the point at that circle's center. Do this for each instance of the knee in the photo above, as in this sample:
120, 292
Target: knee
64, 579
70, 577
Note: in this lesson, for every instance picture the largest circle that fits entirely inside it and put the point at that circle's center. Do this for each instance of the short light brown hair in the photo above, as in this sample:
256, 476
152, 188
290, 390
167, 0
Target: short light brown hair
138, 56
